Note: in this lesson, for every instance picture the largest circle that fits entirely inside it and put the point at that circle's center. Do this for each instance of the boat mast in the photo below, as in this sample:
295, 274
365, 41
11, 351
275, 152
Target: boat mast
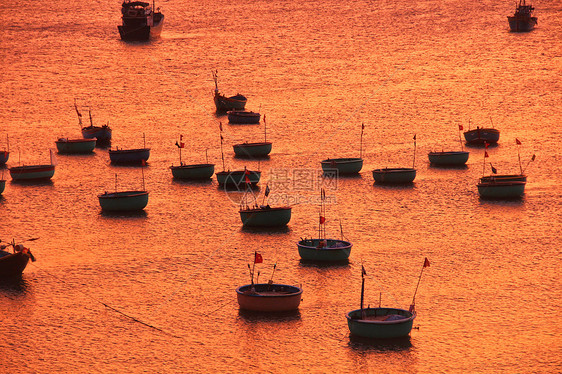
413, 305
460, 139
264, 129
222, 153
414, 162
363, 273
361, 141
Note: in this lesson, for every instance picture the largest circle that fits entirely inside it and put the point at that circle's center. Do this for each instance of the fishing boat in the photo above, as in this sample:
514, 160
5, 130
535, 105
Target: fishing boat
382, 322
263, 215
323, 249
448, 158
243, 117
123, 201
523, 19
482, 135
396, 175
101, 133
193, 171
345, 165
503, 178
501, 189
238, 178
225, 103
32, 172
140, 21
267, 297
75, 146
13, 263
129, 156
254, 150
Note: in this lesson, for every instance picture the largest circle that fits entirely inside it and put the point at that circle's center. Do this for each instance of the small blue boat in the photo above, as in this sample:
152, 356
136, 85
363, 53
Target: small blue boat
324, 250
394, 175
344, 166
129, 156
75, 146
380, 323
501, 189
448, 158
123, 201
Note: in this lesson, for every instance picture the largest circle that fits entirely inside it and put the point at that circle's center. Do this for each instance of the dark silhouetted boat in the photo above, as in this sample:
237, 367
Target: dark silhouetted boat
345, 165
243, 117
140, 21
522, 20
13, 263
75, 146
263, 215
101, 133
238, 178
193, 171
129, 156
501, 189
451, 158
32, 173
254, 150
123, 201
482, 135
225, 103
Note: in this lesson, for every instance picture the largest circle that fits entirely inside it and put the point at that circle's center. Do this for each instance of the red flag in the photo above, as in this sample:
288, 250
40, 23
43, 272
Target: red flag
322, 219
258, 259
486, 154
181, 137
182, 145
246, 173
426, 263
533, 158
486, 145
460, 127
362, 126
517, 141
363, 272
414, 136
222, 138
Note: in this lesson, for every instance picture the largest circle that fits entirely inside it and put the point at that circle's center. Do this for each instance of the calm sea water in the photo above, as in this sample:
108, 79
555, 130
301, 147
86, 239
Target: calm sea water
154, 292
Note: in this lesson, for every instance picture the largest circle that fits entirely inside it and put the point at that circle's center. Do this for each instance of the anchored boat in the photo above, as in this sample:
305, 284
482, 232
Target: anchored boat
225, 103
396, 175
267, 297
254, 150
75, 146
264, 215
345, 165
140, 21
243, 117
193, 171
523, 19
12, 264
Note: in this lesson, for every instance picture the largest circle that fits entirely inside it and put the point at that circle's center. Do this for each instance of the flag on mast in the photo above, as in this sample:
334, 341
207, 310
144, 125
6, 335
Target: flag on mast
460, 128
426, 263
258, 259
517, 141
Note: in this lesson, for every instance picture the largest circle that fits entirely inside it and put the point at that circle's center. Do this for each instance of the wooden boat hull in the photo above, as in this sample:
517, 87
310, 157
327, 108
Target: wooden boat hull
252, 149
76, 146
344, 166
521, 24
237, 178
269, 297
243, 117
129, 156
482, 135
380, 323
4, 157
2, 185
265, 217
140, 31
448, 158
501, 190
32, 172
123, 201
224, 104
504, 178
12, 264
333, 251
193, 172
101, 133
394, 175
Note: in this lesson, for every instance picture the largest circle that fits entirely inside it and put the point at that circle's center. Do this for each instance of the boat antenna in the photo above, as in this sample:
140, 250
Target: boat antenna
222, 153
341, 230
206, 155
413, 305
361, 141
519, 154
485, 156
363, 273
273, 272
90, 113
251, 274
8, 142
414, 162
264, 129
532, 159
492, 122
460, 139
144, 140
